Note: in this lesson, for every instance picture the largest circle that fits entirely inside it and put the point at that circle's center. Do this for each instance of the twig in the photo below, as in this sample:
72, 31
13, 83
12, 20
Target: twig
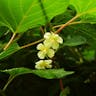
33, 43
66, 24
10, 41
78, 22
9, 81
42, 30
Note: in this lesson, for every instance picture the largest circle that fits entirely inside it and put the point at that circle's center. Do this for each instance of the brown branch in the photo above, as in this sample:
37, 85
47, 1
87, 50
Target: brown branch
78, 22
10, 41
33, 43
66, 24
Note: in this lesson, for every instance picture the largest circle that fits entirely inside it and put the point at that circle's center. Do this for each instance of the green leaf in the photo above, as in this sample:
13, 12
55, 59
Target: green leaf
12, 49
20, 15
86, 8
52, 73
74, 40
87, 31
48, 74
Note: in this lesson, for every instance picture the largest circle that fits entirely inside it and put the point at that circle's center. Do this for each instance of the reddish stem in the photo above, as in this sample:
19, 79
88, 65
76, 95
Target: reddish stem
61, 84
66, 24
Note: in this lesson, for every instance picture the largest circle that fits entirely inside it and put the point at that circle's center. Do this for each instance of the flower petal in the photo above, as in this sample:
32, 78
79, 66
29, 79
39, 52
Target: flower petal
51, 53
47, 35
49, 66
40, 46
41, 54
39, 65
42, 64
55, 45
47, 43
39, 62
48, 61
59, 40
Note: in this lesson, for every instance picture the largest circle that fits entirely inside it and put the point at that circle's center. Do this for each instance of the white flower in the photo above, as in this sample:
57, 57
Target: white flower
52, 40
45, 51
43, 64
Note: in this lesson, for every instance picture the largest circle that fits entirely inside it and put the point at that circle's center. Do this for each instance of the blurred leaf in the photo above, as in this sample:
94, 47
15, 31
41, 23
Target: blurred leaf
20, 15
65, 92
64, 17
89, 54
48, 73
88, 12
74, 40
87, 31
10, 50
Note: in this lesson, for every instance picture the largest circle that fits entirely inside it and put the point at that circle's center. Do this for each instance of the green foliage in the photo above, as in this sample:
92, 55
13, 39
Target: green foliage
20, 15
75, 40
12, 49
48, 74
89, 54
22, 26
88, 12
2, 31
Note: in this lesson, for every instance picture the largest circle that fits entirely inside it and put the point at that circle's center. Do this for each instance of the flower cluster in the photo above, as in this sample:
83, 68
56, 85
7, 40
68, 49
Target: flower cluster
42, 64
47, 49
